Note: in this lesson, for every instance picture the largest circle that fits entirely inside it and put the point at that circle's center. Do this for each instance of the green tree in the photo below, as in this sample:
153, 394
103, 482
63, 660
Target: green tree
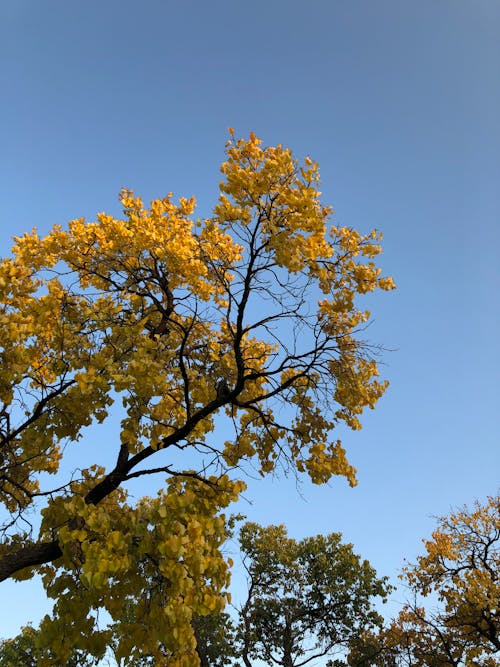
182, 322
20, 650
306, 598
24, 651
215, 639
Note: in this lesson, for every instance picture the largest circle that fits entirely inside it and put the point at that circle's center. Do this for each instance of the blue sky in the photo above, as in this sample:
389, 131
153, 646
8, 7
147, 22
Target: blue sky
398, 101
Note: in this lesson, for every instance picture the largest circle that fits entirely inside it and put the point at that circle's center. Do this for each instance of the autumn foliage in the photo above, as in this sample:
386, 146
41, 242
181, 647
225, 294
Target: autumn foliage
249, 318
453, 616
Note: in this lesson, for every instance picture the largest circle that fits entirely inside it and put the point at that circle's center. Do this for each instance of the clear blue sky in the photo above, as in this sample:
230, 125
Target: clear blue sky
399, 103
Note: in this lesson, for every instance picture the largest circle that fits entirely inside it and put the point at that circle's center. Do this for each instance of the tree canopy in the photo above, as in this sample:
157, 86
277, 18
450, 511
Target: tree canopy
461, 570
306, 598
22, 651
249, 318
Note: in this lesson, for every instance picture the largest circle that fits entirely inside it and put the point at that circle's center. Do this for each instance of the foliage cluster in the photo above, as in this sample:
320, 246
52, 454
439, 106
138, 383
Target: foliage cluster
313, 599
461, 569
305, 599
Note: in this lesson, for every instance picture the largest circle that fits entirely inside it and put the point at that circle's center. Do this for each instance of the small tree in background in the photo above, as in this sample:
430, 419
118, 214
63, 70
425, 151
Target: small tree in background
306, 598
215, 639
23, 651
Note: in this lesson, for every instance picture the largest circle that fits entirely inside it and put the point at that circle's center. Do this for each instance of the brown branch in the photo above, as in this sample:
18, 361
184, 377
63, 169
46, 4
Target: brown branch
37, 412
28, 556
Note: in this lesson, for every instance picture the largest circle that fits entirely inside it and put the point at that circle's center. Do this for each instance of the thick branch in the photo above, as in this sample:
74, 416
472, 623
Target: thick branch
28, 556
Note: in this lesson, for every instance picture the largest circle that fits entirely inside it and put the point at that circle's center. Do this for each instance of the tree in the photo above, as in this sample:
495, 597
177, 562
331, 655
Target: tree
248, 318
462, 570
20, 650
306, 599
23, 651
215, 639
214, 634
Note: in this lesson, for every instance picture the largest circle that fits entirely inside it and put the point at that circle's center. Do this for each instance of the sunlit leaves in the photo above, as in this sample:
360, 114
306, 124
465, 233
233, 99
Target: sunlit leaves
222, 342
162, 556
461, 572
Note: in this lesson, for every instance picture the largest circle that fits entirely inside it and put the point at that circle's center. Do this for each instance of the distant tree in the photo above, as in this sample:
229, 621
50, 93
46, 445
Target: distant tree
462, 570
215, 639
19, 650
23, 651
306, 598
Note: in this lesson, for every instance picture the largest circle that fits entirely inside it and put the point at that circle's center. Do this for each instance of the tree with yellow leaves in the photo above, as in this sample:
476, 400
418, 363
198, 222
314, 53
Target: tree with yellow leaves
247, 319
462, 569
